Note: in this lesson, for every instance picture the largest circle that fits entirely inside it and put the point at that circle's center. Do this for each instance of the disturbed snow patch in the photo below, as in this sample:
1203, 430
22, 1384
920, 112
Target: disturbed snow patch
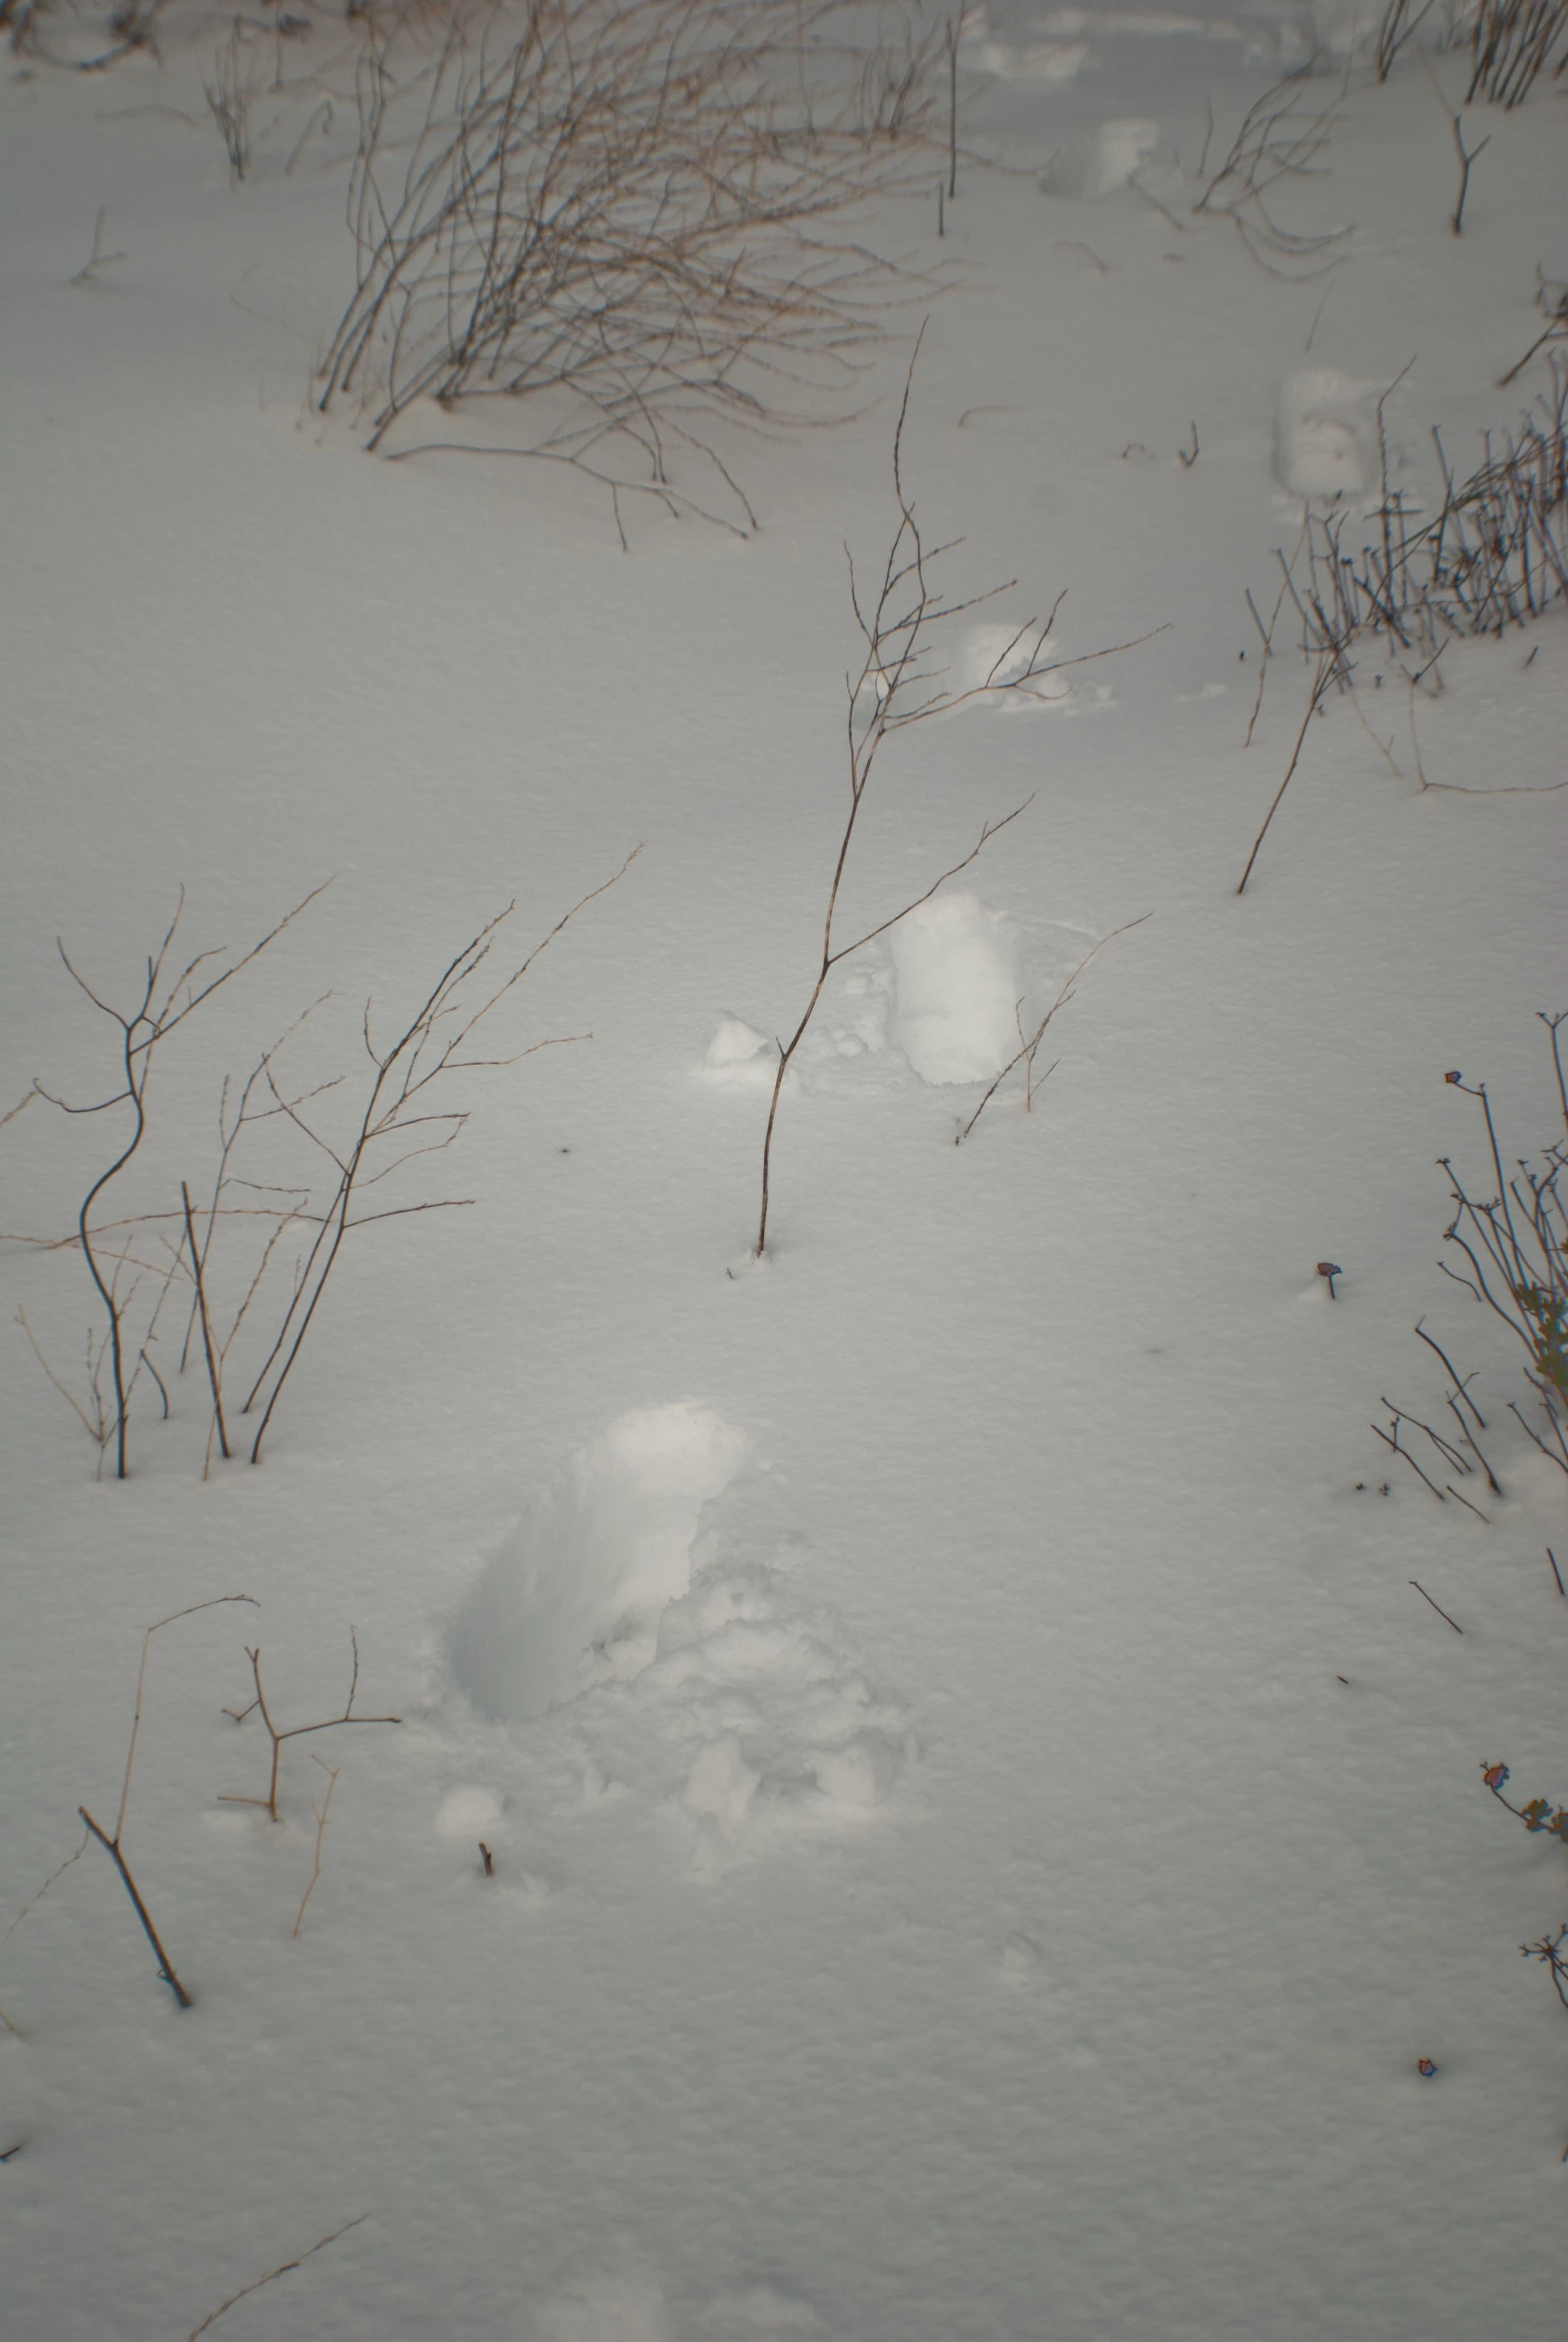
739, 1056
772, 1725
575, 1595
1105, 161
659, 1668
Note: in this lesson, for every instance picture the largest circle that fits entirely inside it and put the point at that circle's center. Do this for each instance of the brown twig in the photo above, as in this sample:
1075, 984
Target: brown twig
166, 1969
1437, 1606
321, 1812
1026, 1056
396, 1112
166, 1001
269, 1803
283, 2269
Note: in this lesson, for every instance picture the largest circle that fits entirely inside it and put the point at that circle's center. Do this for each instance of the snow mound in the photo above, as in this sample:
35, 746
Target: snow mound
575, 1596
957, 976
739, 1056
1326, 444
1105, 161
994, 655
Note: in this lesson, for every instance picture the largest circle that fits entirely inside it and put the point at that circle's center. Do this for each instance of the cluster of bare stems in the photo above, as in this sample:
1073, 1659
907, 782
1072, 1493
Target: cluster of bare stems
1030, 1041
1493, 556
1282, 142
624, 211
1551, 299
1515, 1249
363, 1133
1513, 42
131, 25
1514, 1245
895, 688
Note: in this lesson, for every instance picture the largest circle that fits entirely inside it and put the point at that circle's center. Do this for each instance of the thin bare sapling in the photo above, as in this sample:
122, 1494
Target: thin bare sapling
399, 1118
1029, 1043
112, 1843
894, 689
169, 996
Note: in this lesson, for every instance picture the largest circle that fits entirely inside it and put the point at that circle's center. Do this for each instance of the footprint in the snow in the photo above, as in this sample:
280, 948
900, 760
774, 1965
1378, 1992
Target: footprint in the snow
1325, 438
684, 1678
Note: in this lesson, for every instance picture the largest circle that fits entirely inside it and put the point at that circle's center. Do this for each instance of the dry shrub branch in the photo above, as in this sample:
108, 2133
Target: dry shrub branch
112, 1843
1513, 43
1281, 141
621, 209
1493, 556
895, 689
400, 1119
276, 1736
168, 997
1029, 1043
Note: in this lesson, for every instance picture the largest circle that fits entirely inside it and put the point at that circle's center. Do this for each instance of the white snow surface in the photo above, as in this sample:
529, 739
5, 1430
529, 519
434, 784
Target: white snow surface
981, 1826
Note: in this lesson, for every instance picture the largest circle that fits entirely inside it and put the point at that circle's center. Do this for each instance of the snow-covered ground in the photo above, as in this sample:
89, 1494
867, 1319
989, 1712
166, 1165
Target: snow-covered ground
983, 1828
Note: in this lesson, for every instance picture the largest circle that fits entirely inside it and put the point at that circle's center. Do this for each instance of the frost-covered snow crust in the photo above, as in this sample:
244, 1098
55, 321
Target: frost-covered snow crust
927, 1808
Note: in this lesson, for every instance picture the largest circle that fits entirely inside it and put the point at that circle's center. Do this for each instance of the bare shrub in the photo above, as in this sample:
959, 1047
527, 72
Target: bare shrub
1281, 140
168, 998
1515, 1247
398, 1121
1493, 556
618, 209
1400, 21
1512, 44
224, 1254
228, 96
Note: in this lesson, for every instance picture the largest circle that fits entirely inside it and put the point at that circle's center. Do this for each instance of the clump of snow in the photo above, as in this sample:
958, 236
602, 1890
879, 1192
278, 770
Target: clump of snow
721, 1786
1326, 445
957, 973
993, 655
467, 1812
575, 1598
739, 1056
1105, 161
